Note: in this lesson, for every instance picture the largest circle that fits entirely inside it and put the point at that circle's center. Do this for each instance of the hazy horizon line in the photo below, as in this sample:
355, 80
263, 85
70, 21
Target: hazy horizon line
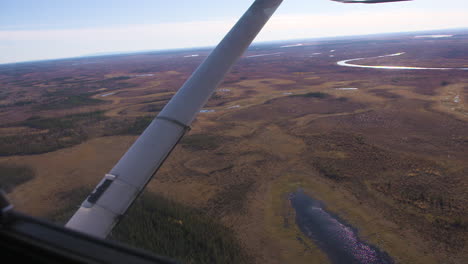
115, 53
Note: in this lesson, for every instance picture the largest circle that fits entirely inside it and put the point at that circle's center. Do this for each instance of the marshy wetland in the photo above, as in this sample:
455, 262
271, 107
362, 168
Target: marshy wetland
385, 150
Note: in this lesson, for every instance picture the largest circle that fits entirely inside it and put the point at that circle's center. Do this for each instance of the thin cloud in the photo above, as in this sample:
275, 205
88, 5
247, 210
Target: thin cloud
47, 44
303, 26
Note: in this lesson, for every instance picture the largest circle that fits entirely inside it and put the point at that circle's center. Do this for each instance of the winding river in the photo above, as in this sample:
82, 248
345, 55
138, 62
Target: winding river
335, 238
347, 64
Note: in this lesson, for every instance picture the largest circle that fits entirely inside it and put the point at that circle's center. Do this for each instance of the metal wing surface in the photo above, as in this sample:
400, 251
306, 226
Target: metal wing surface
121, 186
118, 189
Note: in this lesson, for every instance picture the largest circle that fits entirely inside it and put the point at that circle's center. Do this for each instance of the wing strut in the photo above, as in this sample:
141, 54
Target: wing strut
115, 193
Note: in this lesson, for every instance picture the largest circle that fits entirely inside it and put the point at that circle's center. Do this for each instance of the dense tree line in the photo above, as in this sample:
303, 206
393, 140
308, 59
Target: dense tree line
67, 131
12, 176
176, 231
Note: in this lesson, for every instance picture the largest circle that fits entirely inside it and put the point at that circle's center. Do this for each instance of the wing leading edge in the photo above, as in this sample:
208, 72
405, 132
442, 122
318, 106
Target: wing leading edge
115, 193
117, 190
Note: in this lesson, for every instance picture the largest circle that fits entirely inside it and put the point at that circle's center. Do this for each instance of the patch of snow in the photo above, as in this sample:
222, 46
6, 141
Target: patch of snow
224, 90
287, 93
347, 88
234, 106
292, 45
434, 36
456, 99
261, 55
191, 56
107, 94
143, 75
207, 111
332, 50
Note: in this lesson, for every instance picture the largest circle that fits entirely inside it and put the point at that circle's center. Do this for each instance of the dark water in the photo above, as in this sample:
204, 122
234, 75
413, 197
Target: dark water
337, 239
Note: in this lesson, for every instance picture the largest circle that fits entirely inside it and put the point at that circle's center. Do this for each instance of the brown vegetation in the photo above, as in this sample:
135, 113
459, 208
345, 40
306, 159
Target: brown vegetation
389, 157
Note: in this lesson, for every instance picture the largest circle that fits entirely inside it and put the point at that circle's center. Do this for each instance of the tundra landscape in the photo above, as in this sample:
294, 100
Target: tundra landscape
384, 148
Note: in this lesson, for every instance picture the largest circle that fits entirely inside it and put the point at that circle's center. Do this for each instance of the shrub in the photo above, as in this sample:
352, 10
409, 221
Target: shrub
328, 169
138, 126
12, 176
70, 102
200, 142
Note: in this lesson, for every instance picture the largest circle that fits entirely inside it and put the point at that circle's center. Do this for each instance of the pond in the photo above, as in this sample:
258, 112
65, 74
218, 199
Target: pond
335, 238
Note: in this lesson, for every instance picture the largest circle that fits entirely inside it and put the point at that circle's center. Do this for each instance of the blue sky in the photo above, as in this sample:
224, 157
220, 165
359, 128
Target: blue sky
46, 29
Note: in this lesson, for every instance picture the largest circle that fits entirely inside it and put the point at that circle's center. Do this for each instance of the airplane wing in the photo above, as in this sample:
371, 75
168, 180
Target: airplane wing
118, 189
32, 240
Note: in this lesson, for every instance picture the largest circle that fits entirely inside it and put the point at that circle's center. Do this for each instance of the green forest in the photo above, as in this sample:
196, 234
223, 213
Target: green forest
179, 232
167, 228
